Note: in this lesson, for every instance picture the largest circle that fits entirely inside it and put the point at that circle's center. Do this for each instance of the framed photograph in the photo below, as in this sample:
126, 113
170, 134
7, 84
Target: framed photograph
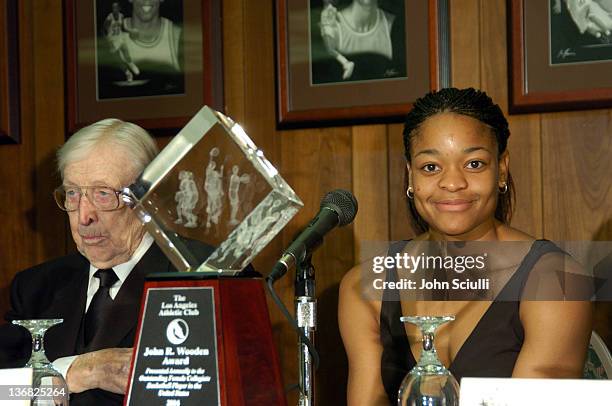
351, 61
561, 55
152, 62
9, 73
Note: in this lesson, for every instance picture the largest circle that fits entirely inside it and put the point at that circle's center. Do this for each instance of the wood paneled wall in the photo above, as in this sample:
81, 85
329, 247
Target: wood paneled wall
560, 162
33, 228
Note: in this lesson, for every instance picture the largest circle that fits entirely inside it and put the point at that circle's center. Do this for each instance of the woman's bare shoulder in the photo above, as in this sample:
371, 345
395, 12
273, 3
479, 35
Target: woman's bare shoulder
352, 288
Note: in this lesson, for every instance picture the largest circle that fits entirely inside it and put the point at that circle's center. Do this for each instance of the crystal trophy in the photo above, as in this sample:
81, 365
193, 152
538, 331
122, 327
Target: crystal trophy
429, 382
212, 201
212, 187
48, 385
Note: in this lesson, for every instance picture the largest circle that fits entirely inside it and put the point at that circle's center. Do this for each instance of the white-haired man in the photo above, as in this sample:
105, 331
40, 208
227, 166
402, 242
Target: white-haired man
96, 291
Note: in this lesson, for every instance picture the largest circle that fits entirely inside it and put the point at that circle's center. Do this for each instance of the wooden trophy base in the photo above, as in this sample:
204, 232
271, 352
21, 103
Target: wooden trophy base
204, 341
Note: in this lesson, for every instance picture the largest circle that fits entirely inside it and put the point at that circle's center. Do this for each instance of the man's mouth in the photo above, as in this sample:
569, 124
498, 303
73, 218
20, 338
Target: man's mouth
93, 239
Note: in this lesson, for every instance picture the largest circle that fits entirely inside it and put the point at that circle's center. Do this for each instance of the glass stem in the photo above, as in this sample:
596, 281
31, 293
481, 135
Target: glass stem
38, 349
429, 355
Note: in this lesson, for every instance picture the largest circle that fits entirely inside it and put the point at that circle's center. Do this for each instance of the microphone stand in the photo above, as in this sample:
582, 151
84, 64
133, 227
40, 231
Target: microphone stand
306, 317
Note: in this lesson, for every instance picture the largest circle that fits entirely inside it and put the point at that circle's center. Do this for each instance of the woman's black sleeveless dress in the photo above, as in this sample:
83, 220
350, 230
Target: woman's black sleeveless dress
490, 350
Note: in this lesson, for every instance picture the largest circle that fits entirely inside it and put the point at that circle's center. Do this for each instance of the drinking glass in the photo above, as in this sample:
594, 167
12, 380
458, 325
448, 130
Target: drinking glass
48, 385
429, 383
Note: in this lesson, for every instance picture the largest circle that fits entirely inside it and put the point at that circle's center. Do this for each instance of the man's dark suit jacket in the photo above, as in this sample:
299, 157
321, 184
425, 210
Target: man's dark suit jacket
58, 289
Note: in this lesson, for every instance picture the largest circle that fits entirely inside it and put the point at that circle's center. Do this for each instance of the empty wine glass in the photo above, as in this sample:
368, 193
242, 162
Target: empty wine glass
429, 383
48, 385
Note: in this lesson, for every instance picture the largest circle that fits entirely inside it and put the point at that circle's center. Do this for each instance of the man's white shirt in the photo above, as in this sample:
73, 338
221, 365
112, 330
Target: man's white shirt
122, 271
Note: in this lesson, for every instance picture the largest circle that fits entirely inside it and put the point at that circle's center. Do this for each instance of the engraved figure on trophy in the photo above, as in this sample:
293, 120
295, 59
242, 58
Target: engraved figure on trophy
234, 186
213, 186
271, 225
256, 231
259, 229
186, 199
241, 238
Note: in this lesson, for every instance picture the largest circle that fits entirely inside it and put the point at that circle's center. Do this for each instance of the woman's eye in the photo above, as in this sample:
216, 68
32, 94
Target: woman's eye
430, 167
475, 164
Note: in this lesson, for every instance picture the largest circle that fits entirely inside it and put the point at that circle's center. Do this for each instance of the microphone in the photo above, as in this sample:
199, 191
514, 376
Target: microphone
338, 208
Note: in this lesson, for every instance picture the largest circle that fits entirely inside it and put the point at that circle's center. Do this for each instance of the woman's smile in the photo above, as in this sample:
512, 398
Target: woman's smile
453, 205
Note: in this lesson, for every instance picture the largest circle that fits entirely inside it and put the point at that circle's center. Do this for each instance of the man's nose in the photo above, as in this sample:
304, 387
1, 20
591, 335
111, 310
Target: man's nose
87, 211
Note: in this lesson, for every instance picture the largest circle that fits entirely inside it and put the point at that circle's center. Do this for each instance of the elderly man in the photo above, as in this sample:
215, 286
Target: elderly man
96, 291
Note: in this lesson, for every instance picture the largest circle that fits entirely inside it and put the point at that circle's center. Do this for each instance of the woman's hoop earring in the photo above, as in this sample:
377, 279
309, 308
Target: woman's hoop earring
410, 192
503, 189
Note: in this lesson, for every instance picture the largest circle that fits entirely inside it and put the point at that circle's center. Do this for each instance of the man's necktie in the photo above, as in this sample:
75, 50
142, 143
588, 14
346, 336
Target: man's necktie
100, 303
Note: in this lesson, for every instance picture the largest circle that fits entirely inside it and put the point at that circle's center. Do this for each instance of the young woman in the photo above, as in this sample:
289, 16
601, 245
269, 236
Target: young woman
460, 189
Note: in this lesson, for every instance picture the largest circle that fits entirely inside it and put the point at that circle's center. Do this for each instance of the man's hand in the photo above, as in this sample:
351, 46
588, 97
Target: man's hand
106, 369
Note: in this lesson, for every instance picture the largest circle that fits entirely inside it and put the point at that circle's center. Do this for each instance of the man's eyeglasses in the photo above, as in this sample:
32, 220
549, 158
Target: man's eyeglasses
103, 198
